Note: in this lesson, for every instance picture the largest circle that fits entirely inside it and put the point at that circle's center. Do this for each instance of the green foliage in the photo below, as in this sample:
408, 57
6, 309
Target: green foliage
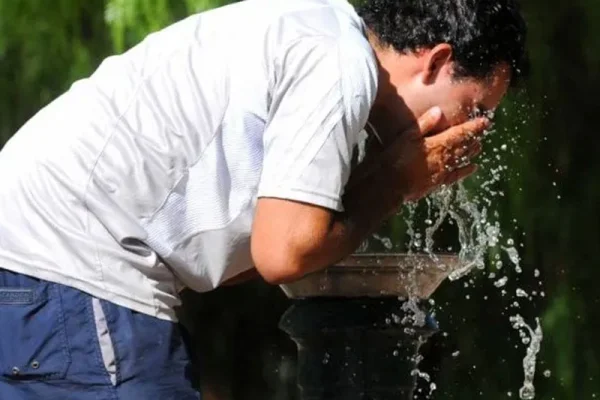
43, 49
131, 20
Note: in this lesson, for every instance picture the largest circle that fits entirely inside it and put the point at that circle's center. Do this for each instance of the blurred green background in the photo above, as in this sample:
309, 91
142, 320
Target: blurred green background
547, 201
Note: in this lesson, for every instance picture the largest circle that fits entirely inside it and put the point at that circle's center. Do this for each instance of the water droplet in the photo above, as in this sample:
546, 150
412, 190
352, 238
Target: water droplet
527, 392
432, 388
423, 375
521, 293
501, 282
386, 242
535, 338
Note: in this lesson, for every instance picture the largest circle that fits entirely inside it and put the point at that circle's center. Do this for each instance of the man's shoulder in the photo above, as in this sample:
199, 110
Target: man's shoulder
324, 23
325, 17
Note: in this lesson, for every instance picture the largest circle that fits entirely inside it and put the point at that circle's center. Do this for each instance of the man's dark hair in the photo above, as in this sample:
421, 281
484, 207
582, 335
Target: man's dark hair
482, 33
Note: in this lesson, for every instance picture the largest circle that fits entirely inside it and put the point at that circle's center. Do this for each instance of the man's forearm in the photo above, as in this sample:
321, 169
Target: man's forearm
367, 204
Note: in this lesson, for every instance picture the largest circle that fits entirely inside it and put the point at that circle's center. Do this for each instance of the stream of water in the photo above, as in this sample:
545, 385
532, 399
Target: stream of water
479, 235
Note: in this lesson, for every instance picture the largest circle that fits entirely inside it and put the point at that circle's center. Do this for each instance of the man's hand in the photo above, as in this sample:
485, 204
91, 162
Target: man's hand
417, 163
291, 239
425, 162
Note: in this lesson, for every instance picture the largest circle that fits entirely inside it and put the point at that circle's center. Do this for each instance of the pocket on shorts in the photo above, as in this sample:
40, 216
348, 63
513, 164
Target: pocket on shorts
33, 340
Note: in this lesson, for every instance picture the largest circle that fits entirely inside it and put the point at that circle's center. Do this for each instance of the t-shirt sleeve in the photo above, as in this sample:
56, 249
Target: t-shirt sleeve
322, 94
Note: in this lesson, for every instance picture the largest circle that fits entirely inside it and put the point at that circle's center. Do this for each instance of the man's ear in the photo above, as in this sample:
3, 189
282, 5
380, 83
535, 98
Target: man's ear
437, 62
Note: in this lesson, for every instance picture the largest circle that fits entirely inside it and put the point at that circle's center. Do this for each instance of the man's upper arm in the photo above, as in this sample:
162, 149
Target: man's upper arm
321, 99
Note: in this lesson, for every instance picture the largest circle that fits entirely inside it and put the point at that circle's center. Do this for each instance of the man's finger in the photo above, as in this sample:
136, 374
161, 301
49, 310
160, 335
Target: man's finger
428, 121
460, 173
468, 151
464, 133
425, 124
475, 149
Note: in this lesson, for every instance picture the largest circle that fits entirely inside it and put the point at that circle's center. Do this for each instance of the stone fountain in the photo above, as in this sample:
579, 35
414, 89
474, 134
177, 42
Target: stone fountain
357, 338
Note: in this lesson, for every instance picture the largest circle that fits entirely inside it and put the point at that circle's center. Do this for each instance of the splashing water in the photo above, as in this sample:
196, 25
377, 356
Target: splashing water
386, 242
476, 233
479, 233
527, 391
501, 282
417, 372
414, 315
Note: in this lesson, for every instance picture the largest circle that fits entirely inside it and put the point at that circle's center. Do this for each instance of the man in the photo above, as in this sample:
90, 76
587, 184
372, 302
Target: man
221, 144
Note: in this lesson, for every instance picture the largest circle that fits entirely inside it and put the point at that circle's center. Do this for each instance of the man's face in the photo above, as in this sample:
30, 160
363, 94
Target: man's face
412, 84
463, 98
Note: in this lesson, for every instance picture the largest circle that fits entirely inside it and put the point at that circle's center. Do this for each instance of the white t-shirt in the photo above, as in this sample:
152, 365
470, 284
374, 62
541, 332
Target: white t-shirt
143, 178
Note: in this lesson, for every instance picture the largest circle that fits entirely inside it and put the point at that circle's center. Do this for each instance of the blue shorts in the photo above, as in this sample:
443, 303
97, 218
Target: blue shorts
58, 343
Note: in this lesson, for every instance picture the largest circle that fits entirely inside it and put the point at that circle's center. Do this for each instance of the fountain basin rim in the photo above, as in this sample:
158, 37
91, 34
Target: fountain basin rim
376, 275
394, 260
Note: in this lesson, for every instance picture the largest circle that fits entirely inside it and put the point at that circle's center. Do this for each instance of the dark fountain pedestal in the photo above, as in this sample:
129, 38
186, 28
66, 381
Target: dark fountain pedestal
355, 341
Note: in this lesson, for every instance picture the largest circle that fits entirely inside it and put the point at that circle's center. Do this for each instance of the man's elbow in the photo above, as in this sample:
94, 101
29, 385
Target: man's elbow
280, 265
288, 239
